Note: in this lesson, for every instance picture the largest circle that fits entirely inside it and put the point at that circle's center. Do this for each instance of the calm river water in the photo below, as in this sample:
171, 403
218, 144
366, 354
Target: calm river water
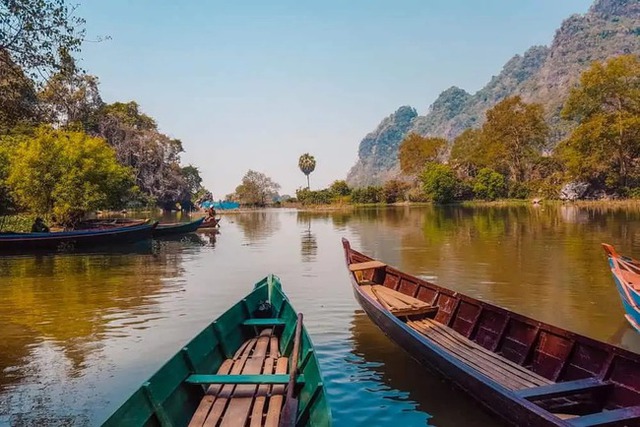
80, 332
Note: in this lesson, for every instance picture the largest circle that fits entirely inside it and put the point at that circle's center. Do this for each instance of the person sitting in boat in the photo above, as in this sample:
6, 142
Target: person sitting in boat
39, 226
211, 214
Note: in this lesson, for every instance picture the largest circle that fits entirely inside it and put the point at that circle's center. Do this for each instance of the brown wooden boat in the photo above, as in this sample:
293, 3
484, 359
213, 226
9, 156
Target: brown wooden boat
527, 372
210, 223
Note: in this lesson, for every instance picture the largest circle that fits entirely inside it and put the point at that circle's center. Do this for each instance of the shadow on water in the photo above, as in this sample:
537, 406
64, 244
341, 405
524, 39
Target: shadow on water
378, 360
59, 311
258, 226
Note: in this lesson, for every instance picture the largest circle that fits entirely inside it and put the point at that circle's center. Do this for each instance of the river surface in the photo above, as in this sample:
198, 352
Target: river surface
80, 332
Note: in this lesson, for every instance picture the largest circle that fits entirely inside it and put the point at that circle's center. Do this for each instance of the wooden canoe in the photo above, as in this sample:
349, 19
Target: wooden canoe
102, 223
20, 242
525, 371
626, 276
168, 229
236, 372
210, 224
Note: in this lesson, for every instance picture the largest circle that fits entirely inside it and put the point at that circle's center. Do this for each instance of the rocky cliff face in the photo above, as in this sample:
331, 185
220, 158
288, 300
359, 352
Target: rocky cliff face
543, 75
378, 152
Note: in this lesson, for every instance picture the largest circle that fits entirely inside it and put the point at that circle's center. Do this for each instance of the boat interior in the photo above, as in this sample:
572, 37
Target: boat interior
232, 404
572, 377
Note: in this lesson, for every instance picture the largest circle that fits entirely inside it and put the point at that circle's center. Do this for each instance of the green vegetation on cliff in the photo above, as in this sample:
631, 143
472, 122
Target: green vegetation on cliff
542, 75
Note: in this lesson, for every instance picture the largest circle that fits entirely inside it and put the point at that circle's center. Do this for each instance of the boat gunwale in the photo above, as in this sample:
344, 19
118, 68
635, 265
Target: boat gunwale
177, 225
464, 375
579, 338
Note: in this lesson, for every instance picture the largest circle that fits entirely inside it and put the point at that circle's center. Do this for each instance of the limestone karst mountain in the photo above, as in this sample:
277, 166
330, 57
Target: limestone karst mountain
542, 74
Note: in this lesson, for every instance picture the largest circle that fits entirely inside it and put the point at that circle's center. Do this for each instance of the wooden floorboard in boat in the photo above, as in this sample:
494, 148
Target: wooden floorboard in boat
246, 404
396, 302
507, 373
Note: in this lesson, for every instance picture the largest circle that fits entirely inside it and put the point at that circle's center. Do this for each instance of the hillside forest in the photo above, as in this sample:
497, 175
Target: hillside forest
64, 152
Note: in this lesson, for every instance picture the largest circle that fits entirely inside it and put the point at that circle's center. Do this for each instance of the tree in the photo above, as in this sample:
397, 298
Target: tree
394, 190
193, 179
514, 134
416, 151
256, 189
439, 182
489, 185
70, 96
67, 173
153, 156
307, 164
34, 31
18, 99
5, 197
340, 188
469, 153
605, 146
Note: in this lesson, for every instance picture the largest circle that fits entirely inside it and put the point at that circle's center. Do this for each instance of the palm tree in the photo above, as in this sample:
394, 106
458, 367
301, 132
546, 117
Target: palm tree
307, 164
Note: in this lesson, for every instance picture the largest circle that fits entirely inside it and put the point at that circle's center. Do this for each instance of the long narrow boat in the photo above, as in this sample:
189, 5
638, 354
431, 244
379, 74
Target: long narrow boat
168, 229
626, 276
253, 366
212, 223
101, 223
527, 372
19, 242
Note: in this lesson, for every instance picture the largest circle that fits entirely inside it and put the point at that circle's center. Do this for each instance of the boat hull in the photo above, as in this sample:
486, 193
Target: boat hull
21, 242
168, 398
629, 297
209, 224
515, 411
523, 370
175, 229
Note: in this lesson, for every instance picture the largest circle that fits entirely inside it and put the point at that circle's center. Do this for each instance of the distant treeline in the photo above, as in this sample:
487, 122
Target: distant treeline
63, 150
510, 155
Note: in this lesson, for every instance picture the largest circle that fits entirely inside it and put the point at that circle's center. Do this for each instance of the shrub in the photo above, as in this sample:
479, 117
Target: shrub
439, 182
369, 194
518, 190
489, 185
308, 197
394, 191
340, 188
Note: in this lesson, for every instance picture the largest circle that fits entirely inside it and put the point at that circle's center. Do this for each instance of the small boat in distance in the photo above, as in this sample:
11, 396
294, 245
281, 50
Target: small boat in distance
255, 365
212, 223
528, 372
626, 276
68, 240
168, 229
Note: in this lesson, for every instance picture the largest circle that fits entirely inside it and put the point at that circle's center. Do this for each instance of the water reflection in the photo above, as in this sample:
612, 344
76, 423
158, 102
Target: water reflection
58, 310
308, 243
257, 226
209, 237
378, 361
81, 332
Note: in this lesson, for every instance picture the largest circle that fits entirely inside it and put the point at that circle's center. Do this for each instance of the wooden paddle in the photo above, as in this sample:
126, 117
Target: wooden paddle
290, 412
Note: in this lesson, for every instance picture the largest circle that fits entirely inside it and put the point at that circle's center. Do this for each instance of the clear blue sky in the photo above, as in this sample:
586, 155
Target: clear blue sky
254, 84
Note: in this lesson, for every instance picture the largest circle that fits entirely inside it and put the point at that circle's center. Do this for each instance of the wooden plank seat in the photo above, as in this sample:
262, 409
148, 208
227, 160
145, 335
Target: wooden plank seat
254, 401
264, 322
499, 369
587, 385
366, 265
398, 303
204, 379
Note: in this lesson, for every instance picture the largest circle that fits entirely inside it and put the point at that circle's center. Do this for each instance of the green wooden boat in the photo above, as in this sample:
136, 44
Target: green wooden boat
253, 366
